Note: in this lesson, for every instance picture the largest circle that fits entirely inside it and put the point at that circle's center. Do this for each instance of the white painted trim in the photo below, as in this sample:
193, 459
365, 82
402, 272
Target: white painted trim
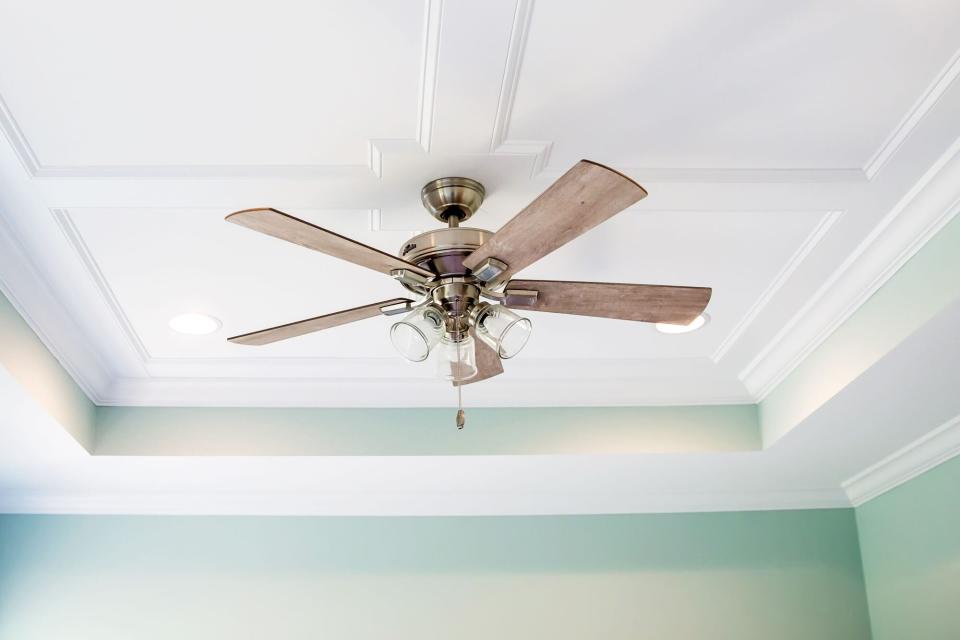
722, 175
920, 108
18, 274
389, 392
419, 503
375, 216
922, 212
430, 63
374, 159
921, 455
21, 146
511, 73
808, 245
539, 149
75, 239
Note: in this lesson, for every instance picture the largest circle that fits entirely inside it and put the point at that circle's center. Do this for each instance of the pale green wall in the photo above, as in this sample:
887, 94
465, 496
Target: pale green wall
788, 574
910, 541
224, 431
923, 287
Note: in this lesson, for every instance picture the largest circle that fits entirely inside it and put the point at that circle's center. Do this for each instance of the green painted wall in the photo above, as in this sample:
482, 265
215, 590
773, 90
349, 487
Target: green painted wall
787, 574
923, 287
223, 431
910, 541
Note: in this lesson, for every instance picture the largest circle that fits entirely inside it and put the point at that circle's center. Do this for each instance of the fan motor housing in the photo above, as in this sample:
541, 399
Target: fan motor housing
442, 251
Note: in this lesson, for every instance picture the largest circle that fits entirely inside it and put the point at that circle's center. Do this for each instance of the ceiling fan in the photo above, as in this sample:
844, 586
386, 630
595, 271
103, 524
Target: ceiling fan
452, 269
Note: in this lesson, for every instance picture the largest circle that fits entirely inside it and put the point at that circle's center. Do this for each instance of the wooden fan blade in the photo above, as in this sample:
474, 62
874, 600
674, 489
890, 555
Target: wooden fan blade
641, 302
582, 198
280, 225
488, 362
294, 329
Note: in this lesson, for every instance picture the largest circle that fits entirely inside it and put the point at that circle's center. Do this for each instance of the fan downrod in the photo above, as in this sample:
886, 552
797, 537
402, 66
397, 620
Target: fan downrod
452, 200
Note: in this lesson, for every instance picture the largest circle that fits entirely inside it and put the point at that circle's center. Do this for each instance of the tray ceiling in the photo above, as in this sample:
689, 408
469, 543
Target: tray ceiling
774, 142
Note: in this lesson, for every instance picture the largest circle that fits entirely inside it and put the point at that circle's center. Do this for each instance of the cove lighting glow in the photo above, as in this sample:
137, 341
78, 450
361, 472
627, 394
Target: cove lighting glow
698, 322
194, 324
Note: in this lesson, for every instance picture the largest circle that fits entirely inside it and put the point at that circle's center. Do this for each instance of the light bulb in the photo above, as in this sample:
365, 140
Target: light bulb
194, 324
666, 327
418, 332
502, 329
455, 366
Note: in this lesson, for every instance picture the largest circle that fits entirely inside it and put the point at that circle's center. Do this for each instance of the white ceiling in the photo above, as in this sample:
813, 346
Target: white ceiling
773, 139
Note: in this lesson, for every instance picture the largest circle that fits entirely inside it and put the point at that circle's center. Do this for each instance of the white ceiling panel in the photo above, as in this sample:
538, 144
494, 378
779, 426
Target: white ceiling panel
210, 83
744, 84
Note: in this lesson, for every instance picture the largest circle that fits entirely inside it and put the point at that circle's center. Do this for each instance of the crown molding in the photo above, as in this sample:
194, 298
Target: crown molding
414, 503
75, 239
25, 288
811, 241
920, 108
918, 457
925, 209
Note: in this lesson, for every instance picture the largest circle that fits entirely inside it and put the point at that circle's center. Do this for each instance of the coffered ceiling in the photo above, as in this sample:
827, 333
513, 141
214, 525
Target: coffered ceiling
777, 142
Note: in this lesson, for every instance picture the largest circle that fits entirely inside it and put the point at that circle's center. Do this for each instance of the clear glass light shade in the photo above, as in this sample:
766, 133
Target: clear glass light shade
503, 330
418, 332
455, 366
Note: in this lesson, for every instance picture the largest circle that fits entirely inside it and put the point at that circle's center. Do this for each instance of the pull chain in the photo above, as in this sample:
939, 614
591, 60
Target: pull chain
461, 416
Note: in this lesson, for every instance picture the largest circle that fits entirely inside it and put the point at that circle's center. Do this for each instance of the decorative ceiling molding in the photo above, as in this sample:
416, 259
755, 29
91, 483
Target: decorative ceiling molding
812, 240
18, 141
432, 24
930, 204
921, 455
55, 328
745, 176
254, 381
921, 107
72, 234
411, 503
231, 381
499, 142
873, 262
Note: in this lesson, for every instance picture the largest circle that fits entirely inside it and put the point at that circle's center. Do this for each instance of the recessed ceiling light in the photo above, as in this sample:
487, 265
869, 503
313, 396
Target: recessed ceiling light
194, 324
698, 322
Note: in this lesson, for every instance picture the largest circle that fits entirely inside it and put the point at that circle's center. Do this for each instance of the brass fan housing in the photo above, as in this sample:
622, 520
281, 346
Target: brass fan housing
452, 200
442, 250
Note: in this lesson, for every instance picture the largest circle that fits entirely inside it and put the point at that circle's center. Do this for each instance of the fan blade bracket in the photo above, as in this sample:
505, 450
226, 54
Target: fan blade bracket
396, 308
489, 269
520, 297
411, 278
